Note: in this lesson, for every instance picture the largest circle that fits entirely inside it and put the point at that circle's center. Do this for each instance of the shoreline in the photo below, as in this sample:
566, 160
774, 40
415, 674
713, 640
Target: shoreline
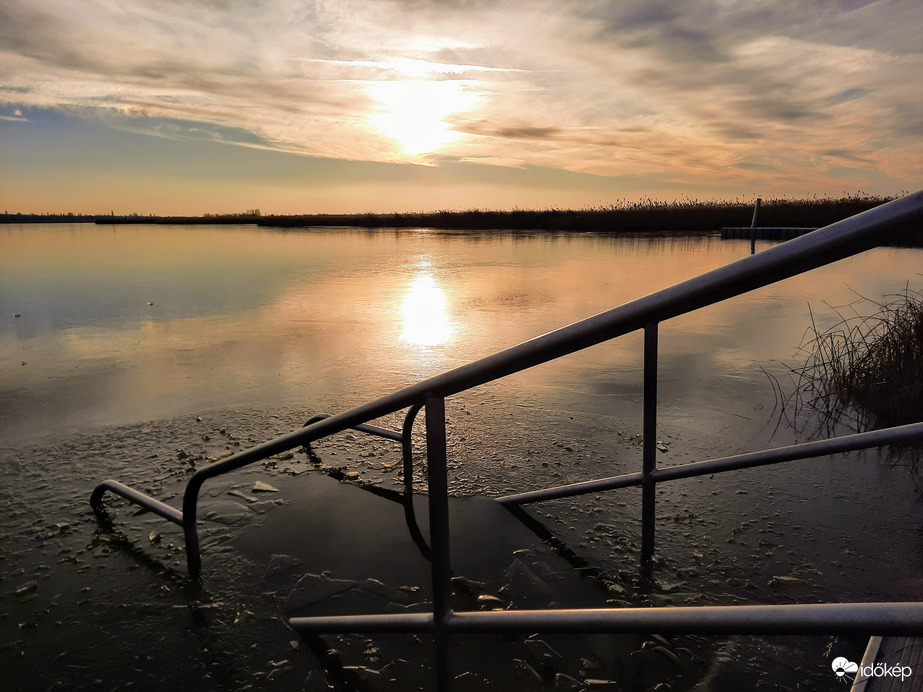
629, 218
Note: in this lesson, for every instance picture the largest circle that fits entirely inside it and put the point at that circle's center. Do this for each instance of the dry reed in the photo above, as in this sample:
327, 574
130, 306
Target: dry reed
863, 373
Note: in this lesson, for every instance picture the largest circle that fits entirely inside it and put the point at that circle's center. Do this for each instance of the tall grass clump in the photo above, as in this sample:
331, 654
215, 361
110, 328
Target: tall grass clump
863, 373
870, 365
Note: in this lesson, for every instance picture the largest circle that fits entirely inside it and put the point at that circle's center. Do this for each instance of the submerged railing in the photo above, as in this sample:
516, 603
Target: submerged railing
824, 246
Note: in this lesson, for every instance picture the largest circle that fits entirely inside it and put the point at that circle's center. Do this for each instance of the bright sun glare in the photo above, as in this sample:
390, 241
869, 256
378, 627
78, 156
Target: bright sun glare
424, 313
414, 112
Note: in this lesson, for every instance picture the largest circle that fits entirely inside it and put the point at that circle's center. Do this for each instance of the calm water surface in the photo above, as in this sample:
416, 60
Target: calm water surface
122, 335
130, 323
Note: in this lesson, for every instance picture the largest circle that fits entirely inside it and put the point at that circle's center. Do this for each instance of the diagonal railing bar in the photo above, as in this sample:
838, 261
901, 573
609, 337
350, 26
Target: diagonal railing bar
369, 429
903, 434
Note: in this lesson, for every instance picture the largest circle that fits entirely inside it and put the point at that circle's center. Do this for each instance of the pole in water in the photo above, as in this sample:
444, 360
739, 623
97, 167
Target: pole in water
756, 211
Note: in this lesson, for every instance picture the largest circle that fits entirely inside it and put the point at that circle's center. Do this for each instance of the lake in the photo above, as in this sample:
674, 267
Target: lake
121, 346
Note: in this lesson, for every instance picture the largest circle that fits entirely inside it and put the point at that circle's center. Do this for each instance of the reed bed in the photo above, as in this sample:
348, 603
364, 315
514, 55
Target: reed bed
621, 216
644, 215
863, 373
875, 362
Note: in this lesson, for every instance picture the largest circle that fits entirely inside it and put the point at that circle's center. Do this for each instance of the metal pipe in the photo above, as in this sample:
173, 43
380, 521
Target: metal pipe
410, 516
401, 623
627, 480
369, 429
190, 527
440, 561
156, 506
438, 505
903, 434
808, 618
823, 618
407, 446
649, 443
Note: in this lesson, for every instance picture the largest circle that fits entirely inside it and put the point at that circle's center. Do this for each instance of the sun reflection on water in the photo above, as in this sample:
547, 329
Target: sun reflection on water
425, 313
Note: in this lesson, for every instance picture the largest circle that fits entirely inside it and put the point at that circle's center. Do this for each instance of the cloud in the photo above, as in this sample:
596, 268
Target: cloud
847, 95
844, 154
14, 115
700, 88
486, 128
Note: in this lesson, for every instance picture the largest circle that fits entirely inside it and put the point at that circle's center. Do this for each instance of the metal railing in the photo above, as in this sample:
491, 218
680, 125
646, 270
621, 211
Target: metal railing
837, 241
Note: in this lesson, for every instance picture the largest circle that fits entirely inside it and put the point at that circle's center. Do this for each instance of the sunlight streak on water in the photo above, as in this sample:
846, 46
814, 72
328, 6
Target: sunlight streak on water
424, 312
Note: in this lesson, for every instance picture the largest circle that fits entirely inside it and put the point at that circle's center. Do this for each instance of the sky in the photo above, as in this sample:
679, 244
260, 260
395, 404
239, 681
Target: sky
293, 106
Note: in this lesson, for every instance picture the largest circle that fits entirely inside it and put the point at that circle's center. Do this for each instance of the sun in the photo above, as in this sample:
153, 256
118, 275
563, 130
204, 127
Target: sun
413, 112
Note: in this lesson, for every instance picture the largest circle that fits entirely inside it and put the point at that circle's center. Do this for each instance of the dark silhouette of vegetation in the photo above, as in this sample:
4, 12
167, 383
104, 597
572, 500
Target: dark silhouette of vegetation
623, 216
646, 215
250, 216
69, 217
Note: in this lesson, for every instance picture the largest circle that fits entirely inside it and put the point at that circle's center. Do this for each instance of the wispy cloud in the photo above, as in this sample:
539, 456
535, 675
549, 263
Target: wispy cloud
719, 89
407, 67
14, 115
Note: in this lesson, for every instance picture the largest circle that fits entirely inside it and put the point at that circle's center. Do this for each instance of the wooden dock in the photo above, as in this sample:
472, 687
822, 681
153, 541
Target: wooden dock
877, 672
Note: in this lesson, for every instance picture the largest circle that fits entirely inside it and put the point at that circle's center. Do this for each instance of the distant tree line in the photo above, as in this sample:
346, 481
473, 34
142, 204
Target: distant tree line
248, 216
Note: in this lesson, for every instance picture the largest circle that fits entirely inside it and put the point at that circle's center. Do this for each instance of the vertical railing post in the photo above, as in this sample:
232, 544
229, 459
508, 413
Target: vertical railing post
440, 566
649, 445
190, 527
407, 447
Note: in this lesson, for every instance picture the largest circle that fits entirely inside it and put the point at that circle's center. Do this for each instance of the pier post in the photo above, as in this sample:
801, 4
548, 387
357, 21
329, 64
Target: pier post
649, 444
756, 212
440, 563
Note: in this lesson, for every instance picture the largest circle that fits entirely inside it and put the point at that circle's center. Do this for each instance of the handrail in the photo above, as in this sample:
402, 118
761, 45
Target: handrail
837, 241
369, 429
823, 246
139, 498
804, 618
902, 434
